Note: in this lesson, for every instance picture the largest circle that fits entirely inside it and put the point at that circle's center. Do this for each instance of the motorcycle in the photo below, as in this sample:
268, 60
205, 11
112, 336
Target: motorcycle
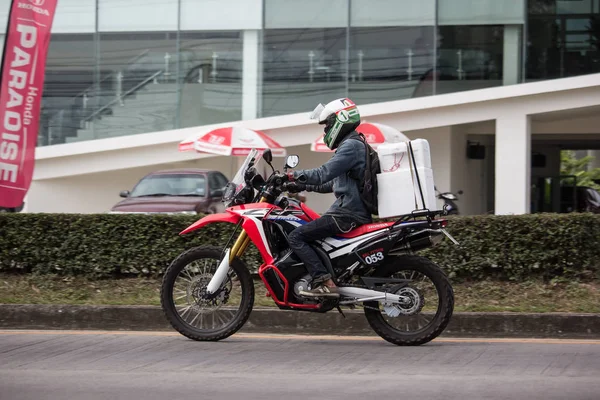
207, 293
449, 204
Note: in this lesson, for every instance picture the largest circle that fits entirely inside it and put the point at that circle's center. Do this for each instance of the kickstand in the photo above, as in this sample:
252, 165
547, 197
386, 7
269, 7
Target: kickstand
341, 312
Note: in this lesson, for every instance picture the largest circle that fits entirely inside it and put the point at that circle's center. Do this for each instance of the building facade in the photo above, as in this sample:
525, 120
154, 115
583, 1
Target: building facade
134, 75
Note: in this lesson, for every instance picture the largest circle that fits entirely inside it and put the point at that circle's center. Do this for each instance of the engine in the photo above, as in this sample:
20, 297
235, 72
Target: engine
302, 284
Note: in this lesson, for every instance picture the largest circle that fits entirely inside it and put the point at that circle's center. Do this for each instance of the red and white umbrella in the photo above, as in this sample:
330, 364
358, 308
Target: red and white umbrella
232, 141
375, 134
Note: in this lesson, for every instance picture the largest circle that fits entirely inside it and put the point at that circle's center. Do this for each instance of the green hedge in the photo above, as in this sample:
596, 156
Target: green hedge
521, 247
108, 245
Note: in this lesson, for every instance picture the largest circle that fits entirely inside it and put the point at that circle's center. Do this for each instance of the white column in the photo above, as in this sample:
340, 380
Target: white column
251, 74
512, 54
513, 164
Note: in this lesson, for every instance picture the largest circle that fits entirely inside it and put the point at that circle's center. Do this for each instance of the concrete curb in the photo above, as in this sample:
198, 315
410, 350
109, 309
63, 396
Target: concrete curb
265, 320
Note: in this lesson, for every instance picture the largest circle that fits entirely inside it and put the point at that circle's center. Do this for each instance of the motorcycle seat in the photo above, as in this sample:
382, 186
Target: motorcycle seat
364, 229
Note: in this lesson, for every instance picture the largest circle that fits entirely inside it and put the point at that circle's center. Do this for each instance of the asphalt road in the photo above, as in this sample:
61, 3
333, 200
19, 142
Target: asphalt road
124, 365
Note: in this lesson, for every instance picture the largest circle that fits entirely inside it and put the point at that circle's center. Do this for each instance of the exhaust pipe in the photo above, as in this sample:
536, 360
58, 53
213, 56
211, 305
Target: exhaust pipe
418, 241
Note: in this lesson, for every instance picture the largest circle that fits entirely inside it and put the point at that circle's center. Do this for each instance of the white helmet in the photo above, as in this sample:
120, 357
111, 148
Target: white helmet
340, 117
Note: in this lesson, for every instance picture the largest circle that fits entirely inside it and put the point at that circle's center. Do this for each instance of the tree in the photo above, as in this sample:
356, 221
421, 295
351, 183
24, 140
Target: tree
570, 165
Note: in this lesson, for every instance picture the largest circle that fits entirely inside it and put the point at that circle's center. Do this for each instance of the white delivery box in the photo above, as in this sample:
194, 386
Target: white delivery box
398, 192
395, 156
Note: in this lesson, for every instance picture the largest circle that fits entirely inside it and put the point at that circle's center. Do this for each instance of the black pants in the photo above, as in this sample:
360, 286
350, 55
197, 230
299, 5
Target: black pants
321, 228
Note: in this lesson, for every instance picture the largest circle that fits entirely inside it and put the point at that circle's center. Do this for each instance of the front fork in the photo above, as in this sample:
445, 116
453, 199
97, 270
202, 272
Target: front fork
239, 248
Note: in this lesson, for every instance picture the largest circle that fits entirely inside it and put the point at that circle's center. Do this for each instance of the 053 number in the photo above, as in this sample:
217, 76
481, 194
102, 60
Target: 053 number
373, 258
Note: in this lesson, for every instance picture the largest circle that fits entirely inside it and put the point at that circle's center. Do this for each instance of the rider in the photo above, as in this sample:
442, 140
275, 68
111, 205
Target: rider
338, 175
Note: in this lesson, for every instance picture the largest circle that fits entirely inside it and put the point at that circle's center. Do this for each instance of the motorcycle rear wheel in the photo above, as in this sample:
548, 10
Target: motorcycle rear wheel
445, 304
179, 319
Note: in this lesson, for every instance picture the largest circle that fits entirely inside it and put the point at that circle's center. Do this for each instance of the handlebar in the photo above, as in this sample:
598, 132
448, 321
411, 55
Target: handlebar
269, 189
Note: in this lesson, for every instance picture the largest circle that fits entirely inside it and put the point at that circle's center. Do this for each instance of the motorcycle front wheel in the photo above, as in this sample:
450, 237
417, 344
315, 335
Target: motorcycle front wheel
427, 313
185, 305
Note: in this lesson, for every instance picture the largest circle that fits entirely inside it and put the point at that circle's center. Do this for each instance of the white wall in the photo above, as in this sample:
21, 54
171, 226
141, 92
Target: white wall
137, 15
392, 13
469, 175
74, 16
290, 14
98, 192
70, 16
567, 125
213, 15
481, 12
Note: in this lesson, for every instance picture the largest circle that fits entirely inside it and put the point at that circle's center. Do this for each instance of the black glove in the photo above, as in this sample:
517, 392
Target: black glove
294, 187
279, 179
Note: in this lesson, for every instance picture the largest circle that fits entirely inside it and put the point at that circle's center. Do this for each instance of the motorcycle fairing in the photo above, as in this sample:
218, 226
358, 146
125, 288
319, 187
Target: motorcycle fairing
209, 219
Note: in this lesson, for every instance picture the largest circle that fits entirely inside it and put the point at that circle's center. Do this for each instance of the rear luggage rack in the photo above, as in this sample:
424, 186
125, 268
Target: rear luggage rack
428, 214
429, 217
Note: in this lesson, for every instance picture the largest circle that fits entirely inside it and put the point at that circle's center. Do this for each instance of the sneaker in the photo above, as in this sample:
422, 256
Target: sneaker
321, 291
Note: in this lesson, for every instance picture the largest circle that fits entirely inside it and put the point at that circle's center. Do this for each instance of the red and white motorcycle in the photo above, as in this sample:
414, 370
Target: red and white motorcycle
208, 293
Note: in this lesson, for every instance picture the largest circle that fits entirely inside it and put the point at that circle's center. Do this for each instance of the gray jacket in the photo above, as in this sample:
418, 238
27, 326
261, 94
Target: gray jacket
340, 175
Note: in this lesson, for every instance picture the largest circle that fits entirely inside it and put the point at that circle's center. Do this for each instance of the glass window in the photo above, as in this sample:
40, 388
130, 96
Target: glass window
136, 85
211, 77
578, 24
138, 74
480, 44
68, 88
562, 46
222, 181
390, 63
171, 185
471, 57
212, 182
302, 68
217, 181
575, 7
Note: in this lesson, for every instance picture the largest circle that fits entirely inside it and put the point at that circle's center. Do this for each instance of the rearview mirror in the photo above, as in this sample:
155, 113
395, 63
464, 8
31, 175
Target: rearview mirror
124, 193
216, 193
292, 161
268, 156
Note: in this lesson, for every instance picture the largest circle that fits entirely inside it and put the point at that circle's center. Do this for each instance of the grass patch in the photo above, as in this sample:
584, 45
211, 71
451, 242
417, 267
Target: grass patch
531, 296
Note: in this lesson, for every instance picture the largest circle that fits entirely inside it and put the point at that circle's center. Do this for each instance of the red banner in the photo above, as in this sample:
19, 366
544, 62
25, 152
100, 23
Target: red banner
22, 81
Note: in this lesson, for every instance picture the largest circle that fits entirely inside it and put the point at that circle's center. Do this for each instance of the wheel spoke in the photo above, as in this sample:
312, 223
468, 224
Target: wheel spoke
420, 290
197, 315
198, 312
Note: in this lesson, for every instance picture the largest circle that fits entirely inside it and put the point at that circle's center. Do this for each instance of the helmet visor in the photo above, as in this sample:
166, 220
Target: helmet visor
317, 111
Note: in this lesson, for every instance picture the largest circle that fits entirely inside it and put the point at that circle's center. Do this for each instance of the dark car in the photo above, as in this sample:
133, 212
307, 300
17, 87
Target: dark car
189, 191
12, 210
